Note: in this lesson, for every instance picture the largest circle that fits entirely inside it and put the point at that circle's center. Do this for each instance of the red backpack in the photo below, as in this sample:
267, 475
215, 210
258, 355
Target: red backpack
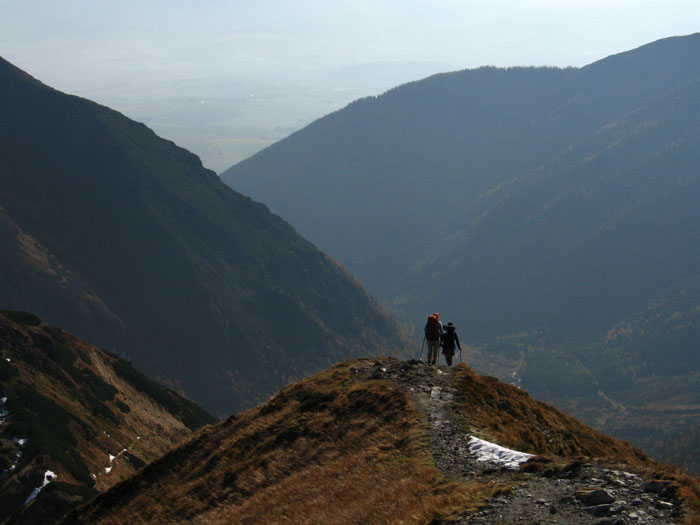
432, 329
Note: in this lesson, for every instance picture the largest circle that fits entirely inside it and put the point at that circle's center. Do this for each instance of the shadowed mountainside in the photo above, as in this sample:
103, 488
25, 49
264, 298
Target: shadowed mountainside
451, 137
126, 240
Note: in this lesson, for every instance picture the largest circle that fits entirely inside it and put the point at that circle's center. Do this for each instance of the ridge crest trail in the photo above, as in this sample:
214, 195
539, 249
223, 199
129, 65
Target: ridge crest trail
578, 491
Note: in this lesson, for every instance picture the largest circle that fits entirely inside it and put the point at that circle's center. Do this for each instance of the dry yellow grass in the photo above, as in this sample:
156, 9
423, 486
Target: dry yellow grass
359, 488
337, 449
512, 418
147, 430
329, 449
509, 416
685, 487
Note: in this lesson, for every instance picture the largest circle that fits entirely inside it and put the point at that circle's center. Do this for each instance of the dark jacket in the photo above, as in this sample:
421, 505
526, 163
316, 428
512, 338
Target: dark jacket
449, 340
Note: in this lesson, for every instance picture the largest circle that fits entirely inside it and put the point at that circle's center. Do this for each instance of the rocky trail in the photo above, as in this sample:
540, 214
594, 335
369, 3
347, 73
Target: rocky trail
579, 492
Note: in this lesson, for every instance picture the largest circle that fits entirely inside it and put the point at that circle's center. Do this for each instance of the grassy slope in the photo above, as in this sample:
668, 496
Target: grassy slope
329, 437
75, 406
356, 450
510, 417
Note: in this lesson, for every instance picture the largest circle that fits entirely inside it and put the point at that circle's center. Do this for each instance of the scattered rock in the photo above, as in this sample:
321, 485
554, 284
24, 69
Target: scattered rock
656, 486
594, 497
598, 510
541, 491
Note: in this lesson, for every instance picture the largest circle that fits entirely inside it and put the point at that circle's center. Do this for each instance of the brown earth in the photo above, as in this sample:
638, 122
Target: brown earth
387, 441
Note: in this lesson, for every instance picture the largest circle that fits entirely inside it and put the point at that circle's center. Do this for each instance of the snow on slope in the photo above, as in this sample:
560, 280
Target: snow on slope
492, 453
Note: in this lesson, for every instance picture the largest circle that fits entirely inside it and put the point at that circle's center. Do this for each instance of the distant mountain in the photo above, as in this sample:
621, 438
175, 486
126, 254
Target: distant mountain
126, 240
388, 441
75, 420
552, 214
395, 173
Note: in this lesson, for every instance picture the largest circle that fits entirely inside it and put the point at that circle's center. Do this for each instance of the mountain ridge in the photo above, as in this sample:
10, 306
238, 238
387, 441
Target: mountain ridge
389, 441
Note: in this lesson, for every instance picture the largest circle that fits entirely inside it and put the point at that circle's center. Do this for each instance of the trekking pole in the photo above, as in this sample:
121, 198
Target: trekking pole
421, 349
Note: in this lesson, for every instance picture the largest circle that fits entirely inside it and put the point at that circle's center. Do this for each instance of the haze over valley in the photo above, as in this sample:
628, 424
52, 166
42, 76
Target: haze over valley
226, 79
224, 224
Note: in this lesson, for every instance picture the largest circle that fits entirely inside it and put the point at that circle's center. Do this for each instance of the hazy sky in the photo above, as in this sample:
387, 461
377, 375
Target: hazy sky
127, 51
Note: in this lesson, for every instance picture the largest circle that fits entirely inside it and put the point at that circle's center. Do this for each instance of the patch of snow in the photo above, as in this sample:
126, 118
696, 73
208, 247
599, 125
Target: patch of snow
3, 400
492, 453
49, 476
111, 461
112, 457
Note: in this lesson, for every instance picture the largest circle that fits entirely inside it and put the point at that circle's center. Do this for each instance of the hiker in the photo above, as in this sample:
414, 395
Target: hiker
433, 331
448, 341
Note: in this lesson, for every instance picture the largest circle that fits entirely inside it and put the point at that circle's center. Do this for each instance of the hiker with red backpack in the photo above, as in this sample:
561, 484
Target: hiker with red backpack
433, 331
449, 341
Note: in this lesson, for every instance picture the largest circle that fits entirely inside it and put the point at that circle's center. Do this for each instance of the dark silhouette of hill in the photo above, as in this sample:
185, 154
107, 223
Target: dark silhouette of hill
545, 211
75, 420
126, 240
393, 173
388, 441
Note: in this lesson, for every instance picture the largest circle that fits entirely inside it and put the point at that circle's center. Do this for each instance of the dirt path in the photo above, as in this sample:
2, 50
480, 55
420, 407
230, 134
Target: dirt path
582, 493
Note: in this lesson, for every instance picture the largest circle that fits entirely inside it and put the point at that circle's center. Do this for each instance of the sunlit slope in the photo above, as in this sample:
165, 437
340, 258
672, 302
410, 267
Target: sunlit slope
346, 446
84, 416
327, 449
